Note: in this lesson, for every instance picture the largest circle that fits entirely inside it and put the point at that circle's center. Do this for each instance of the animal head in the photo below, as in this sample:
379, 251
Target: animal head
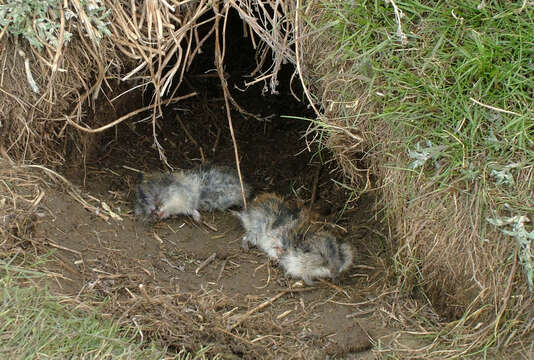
148, 203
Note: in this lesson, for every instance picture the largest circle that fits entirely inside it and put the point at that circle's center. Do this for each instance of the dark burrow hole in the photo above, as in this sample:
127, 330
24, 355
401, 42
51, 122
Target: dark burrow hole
274, 153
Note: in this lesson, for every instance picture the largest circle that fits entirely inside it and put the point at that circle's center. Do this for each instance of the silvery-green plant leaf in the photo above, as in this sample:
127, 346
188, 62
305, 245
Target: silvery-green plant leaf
423, 154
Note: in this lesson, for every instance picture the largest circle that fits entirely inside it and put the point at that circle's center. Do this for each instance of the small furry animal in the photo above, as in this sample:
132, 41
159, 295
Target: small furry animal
308, 254
208, 187
266, 220
287, 234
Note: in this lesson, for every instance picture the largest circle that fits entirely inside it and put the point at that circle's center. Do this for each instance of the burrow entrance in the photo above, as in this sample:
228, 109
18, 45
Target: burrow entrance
152, 274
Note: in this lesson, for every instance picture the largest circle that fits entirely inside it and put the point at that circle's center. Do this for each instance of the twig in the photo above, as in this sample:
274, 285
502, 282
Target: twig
335, 287
258, 308
360, 313
112, 276
315, 185
284, 314
506, 294
266, 303
29, 76
179, 268
157, 237
364, 302
65, 264
127, 116
4, 30
222, 270
236, 336
217, 139
131, 169
189, 136
59, 43
298, 61
371, 340
64, 248
87, 206
205, 263
145, 294
210, 226
219, 59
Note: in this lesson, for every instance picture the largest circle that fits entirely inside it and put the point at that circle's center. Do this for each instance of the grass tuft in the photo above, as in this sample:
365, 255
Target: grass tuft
457, 96
440, 94
36, 324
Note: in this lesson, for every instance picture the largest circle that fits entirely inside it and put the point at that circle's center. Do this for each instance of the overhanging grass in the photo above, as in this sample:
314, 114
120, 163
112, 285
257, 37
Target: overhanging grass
456, 56
458, 94
448, 123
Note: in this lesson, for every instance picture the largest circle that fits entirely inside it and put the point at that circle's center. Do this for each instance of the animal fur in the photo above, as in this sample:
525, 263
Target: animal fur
185, 192
309, 255
265, 221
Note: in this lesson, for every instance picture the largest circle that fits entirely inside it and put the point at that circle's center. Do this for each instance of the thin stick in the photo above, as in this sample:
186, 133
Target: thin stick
210, 226
127, 116
145, 294
58, 53
506, 294
371, 340
360, 313
222, 270
315, 185
188, 134
179, 268
218, 61
335, 287
284, 314
364, 302
297, 55
205, 263
219, 131
64, 248
234, 335
258, 308
65, 264
265, 304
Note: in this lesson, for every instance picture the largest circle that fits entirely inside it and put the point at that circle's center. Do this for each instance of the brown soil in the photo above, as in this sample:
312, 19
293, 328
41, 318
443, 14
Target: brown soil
149, 273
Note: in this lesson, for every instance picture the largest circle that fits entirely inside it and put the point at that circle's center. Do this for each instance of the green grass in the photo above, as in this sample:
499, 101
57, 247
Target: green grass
34, 324
435, 91
38, 21
455, 54
457, 102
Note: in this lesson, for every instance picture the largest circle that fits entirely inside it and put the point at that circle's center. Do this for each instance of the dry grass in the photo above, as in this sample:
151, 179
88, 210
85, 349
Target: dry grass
149, 46
437, 230
132, 299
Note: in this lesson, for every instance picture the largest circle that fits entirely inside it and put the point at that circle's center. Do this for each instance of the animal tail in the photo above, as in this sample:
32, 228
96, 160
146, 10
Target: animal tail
347, 256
